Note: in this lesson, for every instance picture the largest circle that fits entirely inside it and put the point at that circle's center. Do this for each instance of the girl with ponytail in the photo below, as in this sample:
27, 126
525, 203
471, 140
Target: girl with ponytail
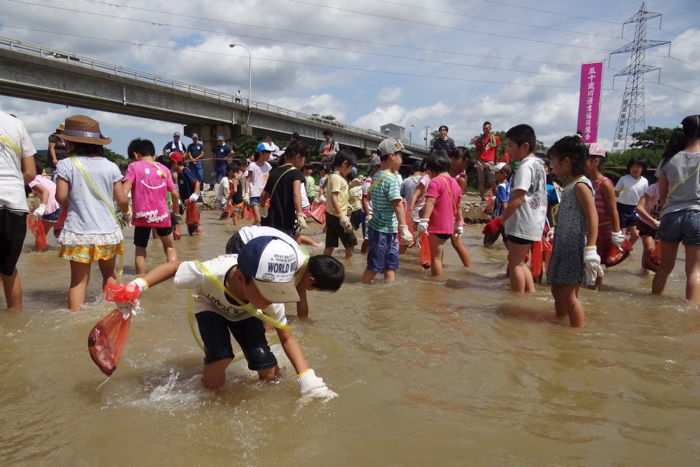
679, 194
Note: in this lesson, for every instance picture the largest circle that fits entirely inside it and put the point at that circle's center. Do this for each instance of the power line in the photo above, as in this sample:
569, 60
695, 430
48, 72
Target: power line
551, 12
500, 21
313, 64
442, 26
305, 44
325, 36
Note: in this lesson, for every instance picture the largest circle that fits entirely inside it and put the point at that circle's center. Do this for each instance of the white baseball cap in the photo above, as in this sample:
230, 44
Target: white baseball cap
392, 146
271, 263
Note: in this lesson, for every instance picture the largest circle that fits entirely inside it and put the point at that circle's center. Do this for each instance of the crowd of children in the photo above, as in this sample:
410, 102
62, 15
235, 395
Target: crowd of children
558, 210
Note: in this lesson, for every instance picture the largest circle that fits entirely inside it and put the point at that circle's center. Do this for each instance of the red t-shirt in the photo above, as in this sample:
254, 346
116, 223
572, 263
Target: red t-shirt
490, 144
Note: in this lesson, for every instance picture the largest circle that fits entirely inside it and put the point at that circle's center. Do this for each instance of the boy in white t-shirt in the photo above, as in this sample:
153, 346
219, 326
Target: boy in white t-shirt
629, 190
525, 215
234, 293
258, 173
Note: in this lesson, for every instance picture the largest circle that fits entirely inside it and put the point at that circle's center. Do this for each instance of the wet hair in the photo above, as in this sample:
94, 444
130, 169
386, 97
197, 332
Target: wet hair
443, 127
572, 148
438, 162
460, 152
84, 149
345, 155
327, 272
635, 161
521, 134
682, 138
144, 147
295, 149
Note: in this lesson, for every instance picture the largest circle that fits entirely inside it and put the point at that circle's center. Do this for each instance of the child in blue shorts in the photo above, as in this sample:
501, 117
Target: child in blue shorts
388, 215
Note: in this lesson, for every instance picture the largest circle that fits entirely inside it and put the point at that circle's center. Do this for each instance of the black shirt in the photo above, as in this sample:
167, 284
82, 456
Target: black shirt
282, 213
446, 144
186, 183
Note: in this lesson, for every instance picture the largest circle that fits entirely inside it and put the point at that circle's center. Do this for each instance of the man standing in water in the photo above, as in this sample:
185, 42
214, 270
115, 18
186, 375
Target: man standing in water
195, 154
487, 147
16, 168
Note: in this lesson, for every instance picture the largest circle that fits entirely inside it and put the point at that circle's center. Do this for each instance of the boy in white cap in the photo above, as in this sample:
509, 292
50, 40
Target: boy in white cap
234, 293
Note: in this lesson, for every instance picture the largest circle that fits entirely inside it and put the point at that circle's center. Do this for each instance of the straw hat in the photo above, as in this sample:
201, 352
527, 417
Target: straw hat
83, 129
60, 127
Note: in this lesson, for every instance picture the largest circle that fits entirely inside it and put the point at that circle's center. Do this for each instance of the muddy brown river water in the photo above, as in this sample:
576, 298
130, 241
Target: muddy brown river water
452, 372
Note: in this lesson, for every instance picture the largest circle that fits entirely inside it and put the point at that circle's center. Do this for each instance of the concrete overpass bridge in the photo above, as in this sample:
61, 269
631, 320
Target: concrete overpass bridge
44, 74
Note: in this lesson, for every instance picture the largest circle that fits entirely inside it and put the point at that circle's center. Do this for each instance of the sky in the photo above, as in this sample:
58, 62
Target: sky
371, 62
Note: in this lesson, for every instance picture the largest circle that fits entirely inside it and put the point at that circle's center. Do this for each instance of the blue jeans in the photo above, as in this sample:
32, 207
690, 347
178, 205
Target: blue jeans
383, 251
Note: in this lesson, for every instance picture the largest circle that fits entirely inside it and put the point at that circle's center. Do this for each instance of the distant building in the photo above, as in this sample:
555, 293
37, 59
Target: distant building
392, 130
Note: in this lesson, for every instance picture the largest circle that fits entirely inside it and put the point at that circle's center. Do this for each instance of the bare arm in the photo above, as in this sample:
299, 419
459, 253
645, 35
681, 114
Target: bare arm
303, 303
62, 191
611, 203
584, 196
399, 210
420, 190
296, 189
42, 193
517, 198
293, 351
175, 195
52, 153
161, 273
644, 214
120, 196
428, 209
28, 169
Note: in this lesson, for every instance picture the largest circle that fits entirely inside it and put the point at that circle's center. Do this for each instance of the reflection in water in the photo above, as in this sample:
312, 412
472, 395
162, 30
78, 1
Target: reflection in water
429, 372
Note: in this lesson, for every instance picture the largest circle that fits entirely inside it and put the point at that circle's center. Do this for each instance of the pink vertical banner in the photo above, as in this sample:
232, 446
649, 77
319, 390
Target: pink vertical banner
589, 101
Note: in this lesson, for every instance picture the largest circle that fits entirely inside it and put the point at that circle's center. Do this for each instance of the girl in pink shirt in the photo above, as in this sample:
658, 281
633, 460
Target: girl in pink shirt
442, 216
150, 183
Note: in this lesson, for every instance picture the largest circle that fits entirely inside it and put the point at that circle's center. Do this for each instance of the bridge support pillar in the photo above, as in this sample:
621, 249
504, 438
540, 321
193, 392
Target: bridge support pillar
208, 135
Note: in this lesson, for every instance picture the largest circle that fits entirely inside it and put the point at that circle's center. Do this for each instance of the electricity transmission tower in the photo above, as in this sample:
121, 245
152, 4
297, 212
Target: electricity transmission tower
632, 117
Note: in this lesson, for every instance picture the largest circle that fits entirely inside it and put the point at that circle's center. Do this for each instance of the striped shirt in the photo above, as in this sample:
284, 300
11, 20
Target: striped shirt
385, 189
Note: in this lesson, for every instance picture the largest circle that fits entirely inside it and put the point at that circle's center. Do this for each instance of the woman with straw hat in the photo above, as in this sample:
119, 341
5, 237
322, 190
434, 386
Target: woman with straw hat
88, 184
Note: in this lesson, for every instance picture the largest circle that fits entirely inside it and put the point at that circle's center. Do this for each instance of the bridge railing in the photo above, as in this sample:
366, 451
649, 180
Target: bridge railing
124, 72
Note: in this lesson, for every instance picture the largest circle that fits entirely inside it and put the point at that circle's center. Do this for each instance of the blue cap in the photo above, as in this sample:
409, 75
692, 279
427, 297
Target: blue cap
271, 262
264, 147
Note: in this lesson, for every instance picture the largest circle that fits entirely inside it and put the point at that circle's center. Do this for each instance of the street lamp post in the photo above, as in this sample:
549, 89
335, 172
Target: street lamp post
427, 128
250, 72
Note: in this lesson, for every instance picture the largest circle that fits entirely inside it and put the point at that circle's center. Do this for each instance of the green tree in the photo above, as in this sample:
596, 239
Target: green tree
653, 137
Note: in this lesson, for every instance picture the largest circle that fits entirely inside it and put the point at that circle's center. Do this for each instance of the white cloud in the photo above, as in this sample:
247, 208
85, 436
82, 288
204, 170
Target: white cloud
323, 104
388, 95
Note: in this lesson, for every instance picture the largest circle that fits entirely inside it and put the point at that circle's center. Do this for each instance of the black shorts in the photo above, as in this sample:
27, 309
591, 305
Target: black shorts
357, 218
13, 229
249, 333
443, 236
628, 215
645, 230
142, 234
335, 232
518, 240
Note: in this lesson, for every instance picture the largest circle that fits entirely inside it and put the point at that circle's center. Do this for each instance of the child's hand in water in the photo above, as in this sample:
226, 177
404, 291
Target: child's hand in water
313, 387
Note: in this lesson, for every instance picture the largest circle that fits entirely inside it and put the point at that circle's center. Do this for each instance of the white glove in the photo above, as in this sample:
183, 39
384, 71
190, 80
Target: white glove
246, 198
459, 230
313, 387
301, 220
193, 198
39, 211
346, 224
140, 283
618, 238
422, 226
592, 267
406, 235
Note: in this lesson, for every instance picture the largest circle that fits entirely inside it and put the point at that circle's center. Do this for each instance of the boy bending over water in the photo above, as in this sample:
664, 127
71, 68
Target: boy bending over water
227, 287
